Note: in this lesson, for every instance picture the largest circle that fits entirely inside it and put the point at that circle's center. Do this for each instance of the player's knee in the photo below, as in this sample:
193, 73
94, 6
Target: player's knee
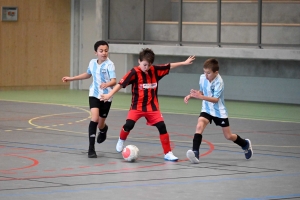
229, 136
128, 126
161, 126
199, 127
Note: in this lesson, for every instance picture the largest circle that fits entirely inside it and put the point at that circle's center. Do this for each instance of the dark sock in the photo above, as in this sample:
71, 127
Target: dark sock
103, 130
197, 142
241, 142
92, 134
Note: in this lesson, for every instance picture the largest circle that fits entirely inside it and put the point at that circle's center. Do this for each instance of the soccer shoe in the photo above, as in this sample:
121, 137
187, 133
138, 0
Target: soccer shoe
170, 157
102, 135
92, 153
120, 145
193, 156
248, 149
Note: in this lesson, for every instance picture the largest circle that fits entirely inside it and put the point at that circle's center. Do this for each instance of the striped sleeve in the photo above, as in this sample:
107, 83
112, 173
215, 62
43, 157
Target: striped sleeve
128, 78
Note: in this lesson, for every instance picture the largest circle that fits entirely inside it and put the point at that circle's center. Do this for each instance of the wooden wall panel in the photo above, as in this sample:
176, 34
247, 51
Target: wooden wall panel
35, 50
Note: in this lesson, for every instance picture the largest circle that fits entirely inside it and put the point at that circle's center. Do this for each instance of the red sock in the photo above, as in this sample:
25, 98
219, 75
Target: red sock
123, 134
165, 142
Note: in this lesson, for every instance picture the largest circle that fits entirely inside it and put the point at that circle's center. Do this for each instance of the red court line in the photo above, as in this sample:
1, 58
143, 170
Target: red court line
35, 163
82, 174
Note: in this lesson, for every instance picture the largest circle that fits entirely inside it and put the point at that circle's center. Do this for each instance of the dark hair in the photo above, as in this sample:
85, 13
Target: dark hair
147, 55
212, 64
99, 43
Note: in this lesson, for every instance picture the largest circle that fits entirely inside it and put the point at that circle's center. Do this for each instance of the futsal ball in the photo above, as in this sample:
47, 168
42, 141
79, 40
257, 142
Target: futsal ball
130, 153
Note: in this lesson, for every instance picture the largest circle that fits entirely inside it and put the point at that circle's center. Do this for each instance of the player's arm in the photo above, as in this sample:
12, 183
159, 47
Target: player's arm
111, 83
105, 97
199, 95
186, 62
74, 78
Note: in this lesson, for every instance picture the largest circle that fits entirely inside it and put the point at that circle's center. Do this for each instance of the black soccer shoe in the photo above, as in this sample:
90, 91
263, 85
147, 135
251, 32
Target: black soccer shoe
92, 153
102, 135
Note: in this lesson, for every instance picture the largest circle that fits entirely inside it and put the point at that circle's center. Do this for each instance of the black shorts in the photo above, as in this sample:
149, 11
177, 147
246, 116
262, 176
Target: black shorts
103, 107
223, 122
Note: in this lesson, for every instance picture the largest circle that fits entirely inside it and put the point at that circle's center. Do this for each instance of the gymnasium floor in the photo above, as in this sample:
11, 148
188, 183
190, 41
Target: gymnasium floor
44, 142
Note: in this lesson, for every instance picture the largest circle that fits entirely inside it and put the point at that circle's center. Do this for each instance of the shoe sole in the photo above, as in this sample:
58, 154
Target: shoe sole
171, 160
119, 151
92, 156
250, 147
191, 156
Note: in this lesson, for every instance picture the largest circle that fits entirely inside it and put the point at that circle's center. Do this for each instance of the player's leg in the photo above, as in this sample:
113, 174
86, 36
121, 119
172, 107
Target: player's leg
127, 127
93, 126
103, 113
155, 118
165, 141
245, 144
193, 155
132, 117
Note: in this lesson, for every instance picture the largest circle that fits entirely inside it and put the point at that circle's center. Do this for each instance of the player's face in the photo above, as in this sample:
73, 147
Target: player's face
102, 53
210, 75
144, 65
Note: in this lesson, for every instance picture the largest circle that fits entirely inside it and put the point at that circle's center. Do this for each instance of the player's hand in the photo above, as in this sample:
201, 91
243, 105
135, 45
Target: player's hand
103, 85
189, 60
186, 99
65, 79
104, 97
196, 94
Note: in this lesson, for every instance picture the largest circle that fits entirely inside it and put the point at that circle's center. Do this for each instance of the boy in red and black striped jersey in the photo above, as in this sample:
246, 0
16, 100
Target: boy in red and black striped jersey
144, 80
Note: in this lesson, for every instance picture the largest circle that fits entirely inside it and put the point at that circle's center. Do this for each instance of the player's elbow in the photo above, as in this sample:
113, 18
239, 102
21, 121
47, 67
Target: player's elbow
215, 100
113, 82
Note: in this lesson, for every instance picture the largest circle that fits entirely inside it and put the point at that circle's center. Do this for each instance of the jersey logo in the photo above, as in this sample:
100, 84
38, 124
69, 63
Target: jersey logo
212, 90
148, 86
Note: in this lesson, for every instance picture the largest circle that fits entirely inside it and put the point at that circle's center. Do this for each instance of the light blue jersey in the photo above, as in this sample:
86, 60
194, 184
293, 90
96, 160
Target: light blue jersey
213, 89
101, 74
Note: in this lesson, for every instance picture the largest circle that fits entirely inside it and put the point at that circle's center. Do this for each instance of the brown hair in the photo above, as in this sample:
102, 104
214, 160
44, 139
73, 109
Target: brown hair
147, 55
212, 64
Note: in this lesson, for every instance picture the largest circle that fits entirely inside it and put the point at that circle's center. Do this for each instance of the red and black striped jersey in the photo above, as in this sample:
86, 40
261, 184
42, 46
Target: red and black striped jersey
144, 86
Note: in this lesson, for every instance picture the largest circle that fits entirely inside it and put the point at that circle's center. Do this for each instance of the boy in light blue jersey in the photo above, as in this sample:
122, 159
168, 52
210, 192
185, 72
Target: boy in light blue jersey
213, 109
102, 70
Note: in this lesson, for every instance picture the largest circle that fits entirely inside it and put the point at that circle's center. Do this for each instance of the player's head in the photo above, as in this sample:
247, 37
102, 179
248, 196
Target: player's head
146, 59
211, 68
100, 43
101, 50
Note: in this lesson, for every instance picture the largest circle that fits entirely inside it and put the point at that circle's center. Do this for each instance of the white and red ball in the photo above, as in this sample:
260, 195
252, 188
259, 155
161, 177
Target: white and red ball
130, 153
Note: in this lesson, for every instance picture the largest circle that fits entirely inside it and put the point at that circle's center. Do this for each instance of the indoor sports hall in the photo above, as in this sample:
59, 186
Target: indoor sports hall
43, 151
44, 121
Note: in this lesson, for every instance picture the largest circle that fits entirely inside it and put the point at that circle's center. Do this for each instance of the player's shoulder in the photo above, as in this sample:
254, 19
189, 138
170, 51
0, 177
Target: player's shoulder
161, 66
202, 77
219, 78
109, 61
92, 61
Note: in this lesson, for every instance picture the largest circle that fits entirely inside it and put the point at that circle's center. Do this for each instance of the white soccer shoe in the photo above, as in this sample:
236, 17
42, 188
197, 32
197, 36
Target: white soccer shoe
170, 157
120, 145
192, 157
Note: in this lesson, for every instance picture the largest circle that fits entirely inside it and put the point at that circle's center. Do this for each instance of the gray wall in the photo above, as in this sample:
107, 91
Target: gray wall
250, 74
